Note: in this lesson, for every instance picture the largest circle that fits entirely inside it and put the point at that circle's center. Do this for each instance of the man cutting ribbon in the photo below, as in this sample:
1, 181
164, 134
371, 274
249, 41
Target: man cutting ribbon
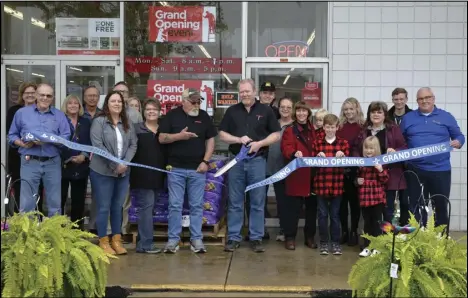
248, 122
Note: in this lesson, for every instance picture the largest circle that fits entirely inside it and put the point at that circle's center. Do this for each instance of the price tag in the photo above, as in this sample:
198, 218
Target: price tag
394, 271
185, 221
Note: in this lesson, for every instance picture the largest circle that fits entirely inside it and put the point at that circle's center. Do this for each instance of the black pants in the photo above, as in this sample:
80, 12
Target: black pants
390, 208
78, 195
372, 217
350, 197
281, 200
14, 201
436, 185
290, 216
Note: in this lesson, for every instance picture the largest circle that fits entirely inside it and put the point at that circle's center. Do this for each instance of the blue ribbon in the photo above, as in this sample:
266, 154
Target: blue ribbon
51, 138
335, 162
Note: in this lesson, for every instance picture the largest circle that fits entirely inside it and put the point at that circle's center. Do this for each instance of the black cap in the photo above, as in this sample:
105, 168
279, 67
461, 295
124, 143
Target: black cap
268, 86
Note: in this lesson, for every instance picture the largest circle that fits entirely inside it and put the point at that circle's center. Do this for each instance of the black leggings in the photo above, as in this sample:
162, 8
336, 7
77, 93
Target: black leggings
372, 217
350, 197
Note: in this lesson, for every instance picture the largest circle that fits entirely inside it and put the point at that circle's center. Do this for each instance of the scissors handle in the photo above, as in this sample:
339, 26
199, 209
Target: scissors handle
244, 153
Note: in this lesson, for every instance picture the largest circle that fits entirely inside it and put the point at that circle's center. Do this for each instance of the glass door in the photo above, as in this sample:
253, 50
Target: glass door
77, 75
299, 81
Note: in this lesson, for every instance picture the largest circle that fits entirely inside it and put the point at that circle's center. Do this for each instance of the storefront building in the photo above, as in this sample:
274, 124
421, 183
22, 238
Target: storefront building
319, 51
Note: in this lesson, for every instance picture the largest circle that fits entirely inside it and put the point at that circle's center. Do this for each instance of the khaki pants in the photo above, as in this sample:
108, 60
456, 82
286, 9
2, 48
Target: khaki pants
126, 206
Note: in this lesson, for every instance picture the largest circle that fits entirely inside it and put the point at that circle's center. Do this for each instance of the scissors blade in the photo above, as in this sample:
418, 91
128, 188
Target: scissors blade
225, 168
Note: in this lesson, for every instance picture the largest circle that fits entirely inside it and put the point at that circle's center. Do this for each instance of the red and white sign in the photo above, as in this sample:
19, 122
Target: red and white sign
146, 65
312, 95
169, 93
182, 23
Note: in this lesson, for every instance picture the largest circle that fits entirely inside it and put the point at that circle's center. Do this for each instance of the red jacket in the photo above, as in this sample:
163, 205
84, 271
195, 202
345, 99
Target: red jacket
299, 182
372, 192
329, 182
395, 140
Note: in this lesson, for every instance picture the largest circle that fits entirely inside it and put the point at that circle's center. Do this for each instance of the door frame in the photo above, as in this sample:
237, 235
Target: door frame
274, 222
322, 65
63, 71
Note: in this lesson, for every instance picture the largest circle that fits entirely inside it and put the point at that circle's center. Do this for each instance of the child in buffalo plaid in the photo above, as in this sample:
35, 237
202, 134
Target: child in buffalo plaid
328, 185
371, 183
318, 123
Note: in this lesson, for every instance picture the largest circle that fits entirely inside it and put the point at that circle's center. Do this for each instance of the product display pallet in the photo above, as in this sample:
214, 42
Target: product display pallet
212, 234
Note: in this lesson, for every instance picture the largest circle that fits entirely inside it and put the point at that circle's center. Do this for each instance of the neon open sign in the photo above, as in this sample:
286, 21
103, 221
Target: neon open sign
290, 48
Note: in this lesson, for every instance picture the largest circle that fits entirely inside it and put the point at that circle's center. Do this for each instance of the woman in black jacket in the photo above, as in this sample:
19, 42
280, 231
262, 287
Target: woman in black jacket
146, 183
75, 164
26, 97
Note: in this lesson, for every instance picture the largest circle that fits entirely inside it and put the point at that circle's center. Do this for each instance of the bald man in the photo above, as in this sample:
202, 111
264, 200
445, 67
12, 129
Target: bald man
426, 126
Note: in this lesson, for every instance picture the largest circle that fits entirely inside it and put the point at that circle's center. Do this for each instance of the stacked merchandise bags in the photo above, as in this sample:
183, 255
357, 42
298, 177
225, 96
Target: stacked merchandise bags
215, 198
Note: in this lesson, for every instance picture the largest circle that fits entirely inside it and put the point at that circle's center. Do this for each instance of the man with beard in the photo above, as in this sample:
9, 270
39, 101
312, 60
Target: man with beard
190, 133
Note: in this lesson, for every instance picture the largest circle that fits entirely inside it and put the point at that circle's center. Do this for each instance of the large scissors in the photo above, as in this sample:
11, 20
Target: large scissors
243, 155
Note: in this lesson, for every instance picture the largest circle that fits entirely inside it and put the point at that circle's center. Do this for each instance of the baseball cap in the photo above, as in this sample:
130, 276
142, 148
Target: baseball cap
268, 86
192, 92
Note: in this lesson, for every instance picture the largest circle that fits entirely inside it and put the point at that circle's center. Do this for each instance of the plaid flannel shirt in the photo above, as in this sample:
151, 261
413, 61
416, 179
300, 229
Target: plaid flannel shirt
319, 133
372, 192
329, 182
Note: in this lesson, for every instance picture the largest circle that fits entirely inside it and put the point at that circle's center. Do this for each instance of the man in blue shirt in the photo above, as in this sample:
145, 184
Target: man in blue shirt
426, 126
39, 160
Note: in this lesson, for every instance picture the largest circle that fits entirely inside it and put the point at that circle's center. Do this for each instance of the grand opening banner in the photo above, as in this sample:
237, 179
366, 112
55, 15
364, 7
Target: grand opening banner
182, 23
169, 93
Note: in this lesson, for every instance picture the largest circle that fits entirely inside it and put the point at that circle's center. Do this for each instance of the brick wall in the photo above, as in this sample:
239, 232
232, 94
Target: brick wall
378, 46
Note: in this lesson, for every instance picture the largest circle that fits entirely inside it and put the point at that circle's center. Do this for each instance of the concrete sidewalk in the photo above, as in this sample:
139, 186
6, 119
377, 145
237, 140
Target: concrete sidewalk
276, 271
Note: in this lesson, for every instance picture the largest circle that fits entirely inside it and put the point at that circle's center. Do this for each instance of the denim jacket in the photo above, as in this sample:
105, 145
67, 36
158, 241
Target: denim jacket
103, 136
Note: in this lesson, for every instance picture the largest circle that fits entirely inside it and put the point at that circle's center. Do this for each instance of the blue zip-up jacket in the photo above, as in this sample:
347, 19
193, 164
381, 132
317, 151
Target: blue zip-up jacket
438, 127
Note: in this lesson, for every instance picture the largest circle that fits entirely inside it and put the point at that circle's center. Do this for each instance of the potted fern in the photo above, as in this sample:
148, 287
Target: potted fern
429, 265
51, 259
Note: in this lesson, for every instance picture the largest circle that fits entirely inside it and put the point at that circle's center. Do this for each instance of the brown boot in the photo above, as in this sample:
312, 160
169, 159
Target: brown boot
116, 244
104, 244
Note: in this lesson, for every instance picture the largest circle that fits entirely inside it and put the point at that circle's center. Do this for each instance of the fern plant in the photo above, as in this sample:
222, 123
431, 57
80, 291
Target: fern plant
51, 259
429, 265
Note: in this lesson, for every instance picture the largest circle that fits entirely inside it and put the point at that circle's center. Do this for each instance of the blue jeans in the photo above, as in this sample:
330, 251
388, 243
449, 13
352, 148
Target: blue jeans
50, 172
194, 183
146, 200
329, 206
109, 193
244, 173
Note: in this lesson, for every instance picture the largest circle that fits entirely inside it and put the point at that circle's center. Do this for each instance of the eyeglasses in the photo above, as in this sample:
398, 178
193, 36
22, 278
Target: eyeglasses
425, 98
196, 102
49, 96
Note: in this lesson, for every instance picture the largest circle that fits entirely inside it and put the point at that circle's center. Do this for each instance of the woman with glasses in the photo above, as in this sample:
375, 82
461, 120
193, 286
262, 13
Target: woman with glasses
146, 184
275, 160
75, 164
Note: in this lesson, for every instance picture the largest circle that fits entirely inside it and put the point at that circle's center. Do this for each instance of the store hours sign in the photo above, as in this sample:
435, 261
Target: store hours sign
182, 24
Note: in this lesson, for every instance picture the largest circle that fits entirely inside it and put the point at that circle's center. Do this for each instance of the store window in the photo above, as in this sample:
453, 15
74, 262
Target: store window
287, 29
174, 45
30, 28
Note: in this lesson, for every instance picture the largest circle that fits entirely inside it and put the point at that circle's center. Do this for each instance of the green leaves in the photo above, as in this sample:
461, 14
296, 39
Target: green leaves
430, 265
51, 259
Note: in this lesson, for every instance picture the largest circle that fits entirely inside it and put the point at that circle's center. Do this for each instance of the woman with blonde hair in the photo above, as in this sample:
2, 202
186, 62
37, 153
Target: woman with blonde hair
318, 123
350, 125
135, 103
26, 97
75, 164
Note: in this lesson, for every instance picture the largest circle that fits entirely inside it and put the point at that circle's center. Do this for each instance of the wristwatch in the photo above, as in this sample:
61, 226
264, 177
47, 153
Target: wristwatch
206, 162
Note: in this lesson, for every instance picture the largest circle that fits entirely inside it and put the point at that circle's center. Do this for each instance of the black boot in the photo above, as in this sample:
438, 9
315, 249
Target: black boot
344, 237
353, 239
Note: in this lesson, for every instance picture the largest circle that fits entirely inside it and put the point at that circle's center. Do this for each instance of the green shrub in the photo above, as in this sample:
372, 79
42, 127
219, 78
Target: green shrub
430, 265
51, 259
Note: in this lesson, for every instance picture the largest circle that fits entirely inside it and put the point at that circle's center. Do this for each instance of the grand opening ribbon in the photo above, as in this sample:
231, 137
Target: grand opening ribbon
329, 162
51, 138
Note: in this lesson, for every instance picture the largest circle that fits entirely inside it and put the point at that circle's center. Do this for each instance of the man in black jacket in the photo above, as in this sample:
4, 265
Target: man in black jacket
267, 96
400, 108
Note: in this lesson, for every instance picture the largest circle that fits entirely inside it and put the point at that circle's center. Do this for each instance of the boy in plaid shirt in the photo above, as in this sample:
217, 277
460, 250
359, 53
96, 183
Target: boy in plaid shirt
371, 183
328, 184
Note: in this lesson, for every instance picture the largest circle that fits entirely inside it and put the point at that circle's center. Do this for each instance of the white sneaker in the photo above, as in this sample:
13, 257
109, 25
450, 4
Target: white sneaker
375, 251
365, 253
280, 236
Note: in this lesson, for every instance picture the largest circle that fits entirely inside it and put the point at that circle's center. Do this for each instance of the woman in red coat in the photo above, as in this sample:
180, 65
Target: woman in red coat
297, 142
391, 139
